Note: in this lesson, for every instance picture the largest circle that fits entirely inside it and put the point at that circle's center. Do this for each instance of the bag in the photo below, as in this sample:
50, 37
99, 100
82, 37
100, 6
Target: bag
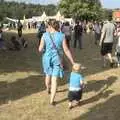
63, 62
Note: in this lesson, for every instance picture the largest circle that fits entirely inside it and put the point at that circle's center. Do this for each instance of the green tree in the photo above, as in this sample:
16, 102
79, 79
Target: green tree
18, 10
81, 9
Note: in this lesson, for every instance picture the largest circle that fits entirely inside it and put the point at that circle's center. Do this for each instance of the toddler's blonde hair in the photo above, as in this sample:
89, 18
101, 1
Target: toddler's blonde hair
76, 67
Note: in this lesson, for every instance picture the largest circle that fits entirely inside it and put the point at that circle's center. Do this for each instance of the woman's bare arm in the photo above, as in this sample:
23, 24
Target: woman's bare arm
67, 52
41, 46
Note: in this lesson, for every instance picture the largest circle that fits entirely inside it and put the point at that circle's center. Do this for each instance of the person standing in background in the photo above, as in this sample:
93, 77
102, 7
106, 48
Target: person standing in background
97, 31
67, 31
78, 30
19, 27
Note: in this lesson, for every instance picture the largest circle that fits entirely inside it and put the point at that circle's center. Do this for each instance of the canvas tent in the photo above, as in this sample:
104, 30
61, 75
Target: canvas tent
116, 15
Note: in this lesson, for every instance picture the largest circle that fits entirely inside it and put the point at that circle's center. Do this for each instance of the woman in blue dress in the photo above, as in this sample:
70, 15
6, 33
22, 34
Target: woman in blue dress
53, 45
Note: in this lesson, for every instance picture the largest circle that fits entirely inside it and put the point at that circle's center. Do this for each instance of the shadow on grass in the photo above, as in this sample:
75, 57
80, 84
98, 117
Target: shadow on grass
23, 87
99, 84
20, 88
100, 87
29, 60
90, 57
61, 101
64, 90
109, 110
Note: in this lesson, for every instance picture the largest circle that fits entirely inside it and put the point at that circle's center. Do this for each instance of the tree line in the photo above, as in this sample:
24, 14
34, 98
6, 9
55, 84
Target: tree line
18, 10
84, 9
77, 9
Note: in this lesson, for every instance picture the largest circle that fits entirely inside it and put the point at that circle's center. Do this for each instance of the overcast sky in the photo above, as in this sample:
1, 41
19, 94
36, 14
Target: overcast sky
105, 3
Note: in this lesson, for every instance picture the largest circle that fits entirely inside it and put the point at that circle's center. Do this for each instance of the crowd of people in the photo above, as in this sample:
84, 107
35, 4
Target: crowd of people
76, 29
26, 25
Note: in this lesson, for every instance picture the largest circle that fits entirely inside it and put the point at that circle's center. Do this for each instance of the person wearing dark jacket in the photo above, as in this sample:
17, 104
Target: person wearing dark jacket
78, 34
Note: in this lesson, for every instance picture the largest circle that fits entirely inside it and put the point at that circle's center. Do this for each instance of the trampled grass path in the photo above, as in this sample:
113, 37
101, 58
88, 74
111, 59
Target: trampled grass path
23, 95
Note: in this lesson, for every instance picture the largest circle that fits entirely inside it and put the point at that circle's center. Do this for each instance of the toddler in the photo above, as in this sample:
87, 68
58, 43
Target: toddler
75, 85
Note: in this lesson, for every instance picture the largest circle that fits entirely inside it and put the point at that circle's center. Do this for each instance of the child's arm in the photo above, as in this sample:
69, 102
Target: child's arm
81, 84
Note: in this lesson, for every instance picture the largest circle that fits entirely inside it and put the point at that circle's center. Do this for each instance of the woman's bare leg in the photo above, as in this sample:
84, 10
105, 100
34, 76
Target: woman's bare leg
48, 82
53, 89
70, 105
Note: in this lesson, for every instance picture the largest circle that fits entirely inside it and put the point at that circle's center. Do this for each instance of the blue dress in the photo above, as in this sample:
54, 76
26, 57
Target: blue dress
51, 60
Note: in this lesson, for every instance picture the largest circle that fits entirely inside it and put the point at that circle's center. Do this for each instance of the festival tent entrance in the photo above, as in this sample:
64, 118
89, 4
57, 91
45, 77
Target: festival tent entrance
43, 17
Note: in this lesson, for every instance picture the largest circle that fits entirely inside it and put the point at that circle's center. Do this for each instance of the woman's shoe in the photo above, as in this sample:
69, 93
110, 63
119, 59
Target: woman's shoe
53, 103
112, 65
48, 91
70, 107
118, 65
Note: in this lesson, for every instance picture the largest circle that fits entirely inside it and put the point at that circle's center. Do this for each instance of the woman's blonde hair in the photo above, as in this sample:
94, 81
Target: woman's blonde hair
54, 24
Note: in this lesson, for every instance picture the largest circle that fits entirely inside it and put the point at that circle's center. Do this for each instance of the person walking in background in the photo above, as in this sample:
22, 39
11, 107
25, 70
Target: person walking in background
106, 42
84, 26
97, 31
1, 40
89, 31
78, 30
75, 85
41, 30
62, 26
53, 43
89, 27
67, 31
19, 26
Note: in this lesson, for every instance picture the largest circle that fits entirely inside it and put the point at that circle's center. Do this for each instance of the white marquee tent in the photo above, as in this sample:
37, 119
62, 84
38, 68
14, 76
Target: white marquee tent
44, 17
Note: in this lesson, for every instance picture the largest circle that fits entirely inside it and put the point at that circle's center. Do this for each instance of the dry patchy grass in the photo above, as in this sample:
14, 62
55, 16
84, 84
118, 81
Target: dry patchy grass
23, 95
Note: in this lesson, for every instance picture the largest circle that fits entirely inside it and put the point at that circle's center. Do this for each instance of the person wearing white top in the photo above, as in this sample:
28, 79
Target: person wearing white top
106, 42
67, 31
97, 30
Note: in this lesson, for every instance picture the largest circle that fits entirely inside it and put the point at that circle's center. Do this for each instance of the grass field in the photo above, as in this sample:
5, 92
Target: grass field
23, 95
